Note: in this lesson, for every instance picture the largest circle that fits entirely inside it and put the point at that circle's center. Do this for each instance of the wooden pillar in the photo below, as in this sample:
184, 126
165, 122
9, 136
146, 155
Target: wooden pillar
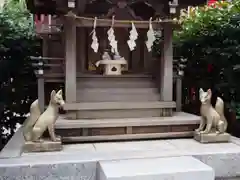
178, 94
70, 58
41, 93
81, 53
41, 82
166, 83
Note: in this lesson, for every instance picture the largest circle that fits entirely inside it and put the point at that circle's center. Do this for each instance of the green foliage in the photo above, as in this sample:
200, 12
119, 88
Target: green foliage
206, 20
17, 79
210, 35
236, 107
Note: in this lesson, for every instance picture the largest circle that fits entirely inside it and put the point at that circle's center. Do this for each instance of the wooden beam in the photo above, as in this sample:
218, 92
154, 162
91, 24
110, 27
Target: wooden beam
81, 54
88, 22
84, 132
45, 58
128, 130
127, 136
41, 82
118, 106
166, 83
41, 93
80, 6
178, 94
70, 56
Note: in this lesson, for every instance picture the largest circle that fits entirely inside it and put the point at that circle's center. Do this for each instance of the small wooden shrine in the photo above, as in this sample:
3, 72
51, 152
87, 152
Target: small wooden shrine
100, 52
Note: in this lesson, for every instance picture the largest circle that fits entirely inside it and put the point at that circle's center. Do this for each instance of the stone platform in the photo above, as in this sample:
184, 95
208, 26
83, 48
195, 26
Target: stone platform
45, 146
212, 137
176, 168
82, 161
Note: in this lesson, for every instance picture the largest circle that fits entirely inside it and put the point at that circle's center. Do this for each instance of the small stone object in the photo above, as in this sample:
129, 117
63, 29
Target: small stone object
213, 124
212, 137
112, 67
42, 146
37, 123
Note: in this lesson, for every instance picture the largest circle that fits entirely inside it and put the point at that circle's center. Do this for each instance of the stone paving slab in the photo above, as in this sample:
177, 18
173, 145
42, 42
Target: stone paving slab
134, 146
224, 158
190, 146
177, 168
13, 148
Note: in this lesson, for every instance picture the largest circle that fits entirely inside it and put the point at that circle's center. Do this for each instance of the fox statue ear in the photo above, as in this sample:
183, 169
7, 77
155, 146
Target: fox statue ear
53, 93
209, 91
60, 92
201, 91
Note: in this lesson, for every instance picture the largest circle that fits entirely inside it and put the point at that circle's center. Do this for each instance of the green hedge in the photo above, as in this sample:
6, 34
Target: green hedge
17, 79
210, 38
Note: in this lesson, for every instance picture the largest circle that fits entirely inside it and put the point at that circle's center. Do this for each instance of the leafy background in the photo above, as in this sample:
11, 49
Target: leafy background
209, 39
17, 79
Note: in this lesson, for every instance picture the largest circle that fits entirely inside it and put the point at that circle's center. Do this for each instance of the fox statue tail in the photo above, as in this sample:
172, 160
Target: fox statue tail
31, 120
219, 107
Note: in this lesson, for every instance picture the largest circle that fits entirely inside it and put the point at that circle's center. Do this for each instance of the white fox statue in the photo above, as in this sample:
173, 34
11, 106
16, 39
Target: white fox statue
36, 124
213, 119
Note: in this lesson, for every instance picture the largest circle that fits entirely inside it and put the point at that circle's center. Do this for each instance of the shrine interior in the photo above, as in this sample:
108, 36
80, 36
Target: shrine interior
100, 53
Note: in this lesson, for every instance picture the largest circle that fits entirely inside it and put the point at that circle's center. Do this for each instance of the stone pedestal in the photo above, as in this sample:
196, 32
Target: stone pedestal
212, 137
112, 67
45, 146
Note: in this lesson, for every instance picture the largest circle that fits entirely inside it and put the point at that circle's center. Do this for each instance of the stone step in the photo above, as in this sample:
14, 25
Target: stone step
71, 136
81, 130
178, 118
117, 94
91, 110
102, 76
123, 81
169, 168
115, 83
118, 90
121, 113
117, 98
51, 77
119, 105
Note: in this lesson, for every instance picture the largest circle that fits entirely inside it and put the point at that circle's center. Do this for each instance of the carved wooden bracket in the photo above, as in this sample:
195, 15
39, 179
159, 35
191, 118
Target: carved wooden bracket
123, 6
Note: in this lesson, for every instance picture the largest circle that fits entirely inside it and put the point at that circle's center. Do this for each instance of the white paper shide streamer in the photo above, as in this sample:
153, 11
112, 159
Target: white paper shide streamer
112, 40
150, 36
95, 43
132, 38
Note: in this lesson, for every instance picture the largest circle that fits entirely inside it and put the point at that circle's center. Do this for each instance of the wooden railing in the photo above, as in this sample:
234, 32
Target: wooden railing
47, 69
52, 69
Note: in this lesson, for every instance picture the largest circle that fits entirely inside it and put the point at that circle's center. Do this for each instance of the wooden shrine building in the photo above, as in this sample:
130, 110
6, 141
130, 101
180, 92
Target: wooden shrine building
141, 101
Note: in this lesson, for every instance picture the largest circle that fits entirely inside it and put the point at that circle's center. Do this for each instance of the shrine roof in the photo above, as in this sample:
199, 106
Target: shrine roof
84, 7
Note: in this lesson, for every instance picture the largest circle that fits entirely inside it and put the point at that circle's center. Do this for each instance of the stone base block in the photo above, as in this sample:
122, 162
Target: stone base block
177, 168
45, 146
212, 137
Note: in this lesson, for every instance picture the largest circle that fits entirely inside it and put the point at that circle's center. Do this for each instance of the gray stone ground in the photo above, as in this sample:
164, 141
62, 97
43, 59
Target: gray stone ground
80, 161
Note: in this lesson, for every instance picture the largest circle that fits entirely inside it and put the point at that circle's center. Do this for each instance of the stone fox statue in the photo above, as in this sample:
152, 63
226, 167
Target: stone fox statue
37, 123
213, 119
